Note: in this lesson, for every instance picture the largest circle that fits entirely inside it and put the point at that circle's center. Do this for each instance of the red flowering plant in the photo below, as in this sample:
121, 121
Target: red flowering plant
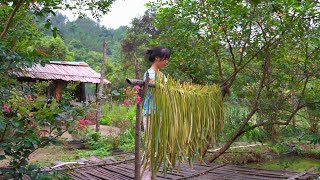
81, 129
131, 95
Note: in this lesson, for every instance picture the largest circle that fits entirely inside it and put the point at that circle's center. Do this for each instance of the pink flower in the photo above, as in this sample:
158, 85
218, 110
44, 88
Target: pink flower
126, 91
138, 99
137, 87
29, 97
83, 122
80, 126
41, 133
33, 124
126, 103
6, 108
88, 122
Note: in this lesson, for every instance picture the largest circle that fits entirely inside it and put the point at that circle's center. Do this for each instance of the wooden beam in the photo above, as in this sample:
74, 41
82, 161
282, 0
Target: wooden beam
301, 174
138, 82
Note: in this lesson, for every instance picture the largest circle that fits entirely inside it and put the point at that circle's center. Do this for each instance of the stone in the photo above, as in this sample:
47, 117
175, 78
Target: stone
93, 159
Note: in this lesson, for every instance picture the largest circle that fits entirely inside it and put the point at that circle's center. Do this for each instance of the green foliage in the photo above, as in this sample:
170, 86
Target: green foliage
54, 48
56, 175
267, 45
312, 138
127, 140
24, 31
28, 120
118, 115
33, 122
94, 140
84, 38
280, 148
95, 152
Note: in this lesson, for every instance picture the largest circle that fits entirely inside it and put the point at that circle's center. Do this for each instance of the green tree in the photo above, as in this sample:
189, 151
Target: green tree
260, 50
136, 42
54, 48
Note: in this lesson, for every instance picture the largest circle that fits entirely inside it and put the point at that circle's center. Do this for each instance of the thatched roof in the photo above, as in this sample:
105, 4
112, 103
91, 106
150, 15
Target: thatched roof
61, 70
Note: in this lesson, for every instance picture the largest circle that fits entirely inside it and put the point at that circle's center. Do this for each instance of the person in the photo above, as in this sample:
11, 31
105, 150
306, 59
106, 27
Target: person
159, 58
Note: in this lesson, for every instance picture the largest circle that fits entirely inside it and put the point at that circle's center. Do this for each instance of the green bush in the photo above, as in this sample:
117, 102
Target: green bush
127, 140
94, 140
119, 116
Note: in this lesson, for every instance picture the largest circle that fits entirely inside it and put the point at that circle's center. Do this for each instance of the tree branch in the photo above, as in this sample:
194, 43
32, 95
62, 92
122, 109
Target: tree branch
219, 64
231, 50
32, 151
253, 111
9, 20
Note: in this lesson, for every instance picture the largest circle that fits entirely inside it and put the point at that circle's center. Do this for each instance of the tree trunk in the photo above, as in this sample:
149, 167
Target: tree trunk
137, 66
294, 102
99, 95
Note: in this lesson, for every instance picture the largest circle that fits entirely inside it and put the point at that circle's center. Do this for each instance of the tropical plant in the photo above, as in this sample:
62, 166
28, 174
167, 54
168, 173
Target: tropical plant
185, 118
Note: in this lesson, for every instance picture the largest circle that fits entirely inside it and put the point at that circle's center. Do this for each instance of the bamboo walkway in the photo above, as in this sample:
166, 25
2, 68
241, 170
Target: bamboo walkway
125, 171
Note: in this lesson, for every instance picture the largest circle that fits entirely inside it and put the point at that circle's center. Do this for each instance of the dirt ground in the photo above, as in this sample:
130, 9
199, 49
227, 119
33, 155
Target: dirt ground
105, 130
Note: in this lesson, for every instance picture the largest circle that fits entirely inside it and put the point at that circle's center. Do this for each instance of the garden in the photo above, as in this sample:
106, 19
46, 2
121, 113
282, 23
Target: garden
248, 70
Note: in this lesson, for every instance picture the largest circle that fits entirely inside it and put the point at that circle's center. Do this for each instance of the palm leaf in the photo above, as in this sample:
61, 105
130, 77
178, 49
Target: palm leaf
184, 118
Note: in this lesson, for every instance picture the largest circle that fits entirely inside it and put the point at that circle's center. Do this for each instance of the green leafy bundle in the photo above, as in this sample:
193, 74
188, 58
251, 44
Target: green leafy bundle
184, 119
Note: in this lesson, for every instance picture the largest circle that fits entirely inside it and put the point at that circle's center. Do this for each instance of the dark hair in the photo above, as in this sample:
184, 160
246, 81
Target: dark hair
158, 51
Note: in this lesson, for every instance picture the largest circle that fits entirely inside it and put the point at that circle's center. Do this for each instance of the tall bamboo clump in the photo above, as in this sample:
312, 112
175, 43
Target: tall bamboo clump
184, 118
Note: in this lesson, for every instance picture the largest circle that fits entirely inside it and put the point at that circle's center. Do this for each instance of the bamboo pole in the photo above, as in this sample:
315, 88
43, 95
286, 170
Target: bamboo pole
99, 95
137, 164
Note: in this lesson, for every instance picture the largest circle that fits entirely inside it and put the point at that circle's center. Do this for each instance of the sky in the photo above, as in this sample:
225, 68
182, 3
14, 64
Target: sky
121, 13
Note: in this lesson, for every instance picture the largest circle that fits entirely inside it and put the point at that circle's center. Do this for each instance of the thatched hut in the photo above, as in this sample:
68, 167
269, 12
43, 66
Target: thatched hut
61, 73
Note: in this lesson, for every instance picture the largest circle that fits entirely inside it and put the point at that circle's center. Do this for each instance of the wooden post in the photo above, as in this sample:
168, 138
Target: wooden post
137, 163
57, 90
99, 95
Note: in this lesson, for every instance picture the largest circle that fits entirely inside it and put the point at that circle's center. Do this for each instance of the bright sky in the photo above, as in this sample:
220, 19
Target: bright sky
121, 13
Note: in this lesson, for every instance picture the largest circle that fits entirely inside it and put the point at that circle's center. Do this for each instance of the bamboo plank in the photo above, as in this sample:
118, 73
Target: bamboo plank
84, 174
181, 173
310, 176
112, 174
127, 175
126, 166
301, 174
259, 169
26, 177
288, 173
77, 176
236, 175
101, 176
257, 173
203, 172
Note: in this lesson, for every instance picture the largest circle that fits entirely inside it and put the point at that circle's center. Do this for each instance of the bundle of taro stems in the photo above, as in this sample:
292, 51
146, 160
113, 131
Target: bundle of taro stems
183, 119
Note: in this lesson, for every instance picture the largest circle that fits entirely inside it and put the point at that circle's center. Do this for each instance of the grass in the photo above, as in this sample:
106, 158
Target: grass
48, 155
